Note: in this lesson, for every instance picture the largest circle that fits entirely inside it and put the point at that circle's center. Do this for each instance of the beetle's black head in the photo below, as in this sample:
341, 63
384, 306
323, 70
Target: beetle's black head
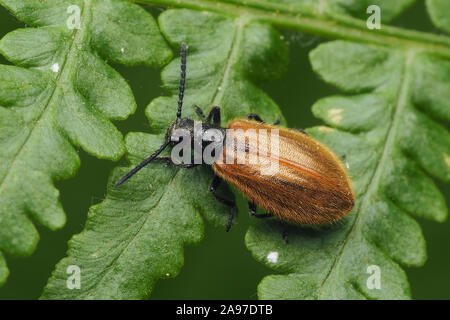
177, 126
180, 124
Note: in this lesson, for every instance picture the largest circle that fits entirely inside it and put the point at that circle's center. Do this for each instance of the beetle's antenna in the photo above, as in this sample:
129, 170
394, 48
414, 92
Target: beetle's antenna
182, 79
142, 164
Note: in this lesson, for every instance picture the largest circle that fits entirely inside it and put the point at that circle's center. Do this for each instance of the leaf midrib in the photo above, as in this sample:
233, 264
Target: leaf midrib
230, 57
79, 37
328, 24
373, 185
234, 50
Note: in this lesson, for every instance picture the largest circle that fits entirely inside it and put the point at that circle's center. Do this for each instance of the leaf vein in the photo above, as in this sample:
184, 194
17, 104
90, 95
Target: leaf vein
51, 97
390, 136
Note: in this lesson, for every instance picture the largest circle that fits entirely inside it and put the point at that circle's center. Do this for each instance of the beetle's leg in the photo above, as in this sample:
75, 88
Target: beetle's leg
252, 211
186, 166
200, 112
230, 219
302, 131
253, 116
213, 188
284, 232
214, 114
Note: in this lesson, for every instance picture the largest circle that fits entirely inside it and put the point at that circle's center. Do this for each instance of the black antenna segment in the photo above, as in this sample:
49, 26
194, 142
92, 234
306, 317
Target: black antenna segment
182, 79
180, 105
142, 164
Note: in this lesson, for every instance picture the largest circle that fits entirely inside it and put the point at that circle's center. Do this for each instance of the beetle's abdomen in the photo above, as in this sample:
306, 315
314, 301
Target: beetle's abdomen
300, 181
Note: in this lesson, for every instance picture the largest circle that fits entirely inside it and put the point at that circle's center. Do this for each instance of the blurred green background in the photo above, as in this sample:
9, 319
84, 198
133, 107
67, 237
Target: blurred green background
220, 267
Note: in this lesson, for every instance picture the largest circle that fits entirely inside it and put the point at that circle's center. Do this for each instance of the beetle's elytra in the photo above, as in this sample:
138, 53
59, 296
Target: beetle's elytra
310, 186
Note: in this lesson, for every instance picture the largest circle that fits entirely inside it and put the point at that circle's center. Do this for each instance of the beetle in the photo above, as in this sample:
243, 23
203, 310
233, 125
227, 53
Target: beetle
311, 186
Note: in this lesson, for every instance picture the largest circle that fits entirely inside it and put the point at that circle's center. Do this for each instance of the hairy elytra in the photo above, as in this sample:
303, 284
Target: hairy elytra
311, 186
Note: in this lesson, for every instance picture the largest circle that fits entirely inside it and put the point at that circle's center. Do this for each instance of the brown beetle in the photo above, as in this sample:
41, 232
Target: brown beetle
310, 185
